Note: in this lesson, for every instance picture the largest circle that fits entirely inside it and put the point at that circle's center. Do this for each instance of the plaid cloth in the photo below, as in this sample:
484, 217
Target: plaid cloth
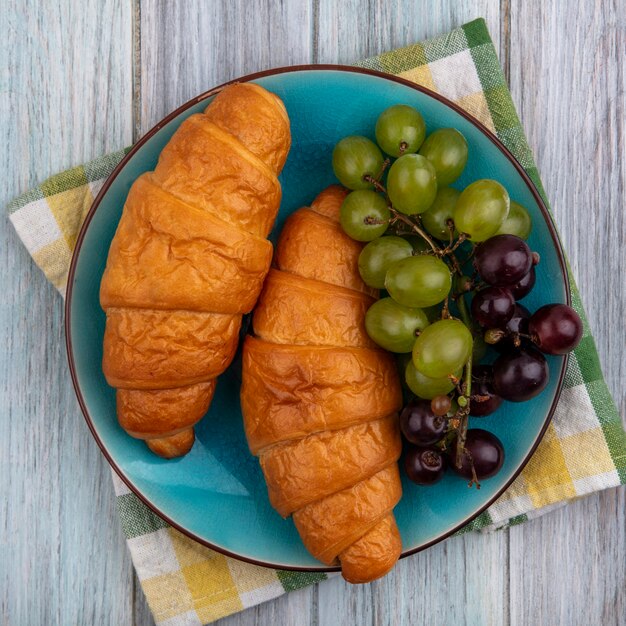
584, 449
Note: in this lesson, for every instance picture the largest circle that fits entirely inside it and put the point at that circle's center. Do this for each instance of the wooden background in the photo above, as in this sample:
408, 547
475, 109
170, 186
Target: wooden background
78, 79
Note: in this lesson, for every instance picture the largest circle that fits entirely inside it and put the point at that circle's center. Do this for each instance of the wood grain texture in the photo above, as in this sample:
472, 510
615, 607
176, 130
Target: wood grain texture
189, 47
575, 127
568, 80
65, 97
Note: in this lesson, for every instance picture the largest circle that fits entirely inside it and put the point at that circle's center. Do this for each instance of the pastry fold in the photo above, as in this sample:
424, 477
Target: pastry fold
320, 400
188, 259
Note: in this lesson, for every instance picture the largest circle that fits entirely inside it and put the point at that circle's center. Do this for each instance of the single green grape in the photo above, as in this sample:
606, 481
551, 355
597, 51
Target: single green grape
355, 157
412, 184
392, 326
364, 215
436, 218
446, 149
442, 348
518, 222
428, 388
400, 129
418, 281
481, 209
378, 256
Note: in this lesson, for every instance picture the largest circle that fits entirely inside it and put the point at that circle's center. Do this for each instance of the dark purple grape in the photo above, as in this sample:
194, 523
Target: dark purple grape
424, 466
517, 324
420, 425
555, 328
482, 385
503, 260
493, 307
484, 450
525, 285
520, 376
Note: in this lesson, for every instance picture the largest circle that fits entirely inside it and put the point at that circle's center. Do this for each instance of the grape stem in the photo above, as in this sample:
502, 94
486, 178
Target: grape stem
464, 413
369, 221
445, 311
368, 178
459, 241
399, 217
466, 389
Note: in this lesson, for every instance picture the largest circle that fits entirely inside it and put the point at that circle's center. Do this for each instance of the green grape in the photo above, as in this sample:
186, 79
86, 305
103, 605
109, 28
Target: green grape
518, 222
360, 207
355, 157
392, 326
442, 348
378, 255
412, 184
418, 242
428, 388
446, 149
481, 209
418, 281
397, 125
442, 210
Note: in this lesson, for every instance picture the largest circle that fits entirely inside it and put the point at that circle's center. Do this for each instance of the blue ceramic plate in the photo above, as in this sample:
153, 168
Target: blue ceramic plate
216, 494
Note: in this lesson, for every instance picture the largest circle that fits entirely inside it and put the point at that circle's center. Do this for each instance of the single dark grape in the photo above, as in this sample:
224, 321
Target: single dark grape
503, 260
517, 324
440, 405
482, 449
420, 425
520, 376
493, 307
482, 385
424, 466
523, 287
555, 328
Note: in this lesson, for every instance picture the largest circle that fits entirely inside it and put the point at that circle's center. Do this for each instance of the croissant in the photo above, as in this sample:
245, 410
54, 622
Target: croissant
188, 259
320, 401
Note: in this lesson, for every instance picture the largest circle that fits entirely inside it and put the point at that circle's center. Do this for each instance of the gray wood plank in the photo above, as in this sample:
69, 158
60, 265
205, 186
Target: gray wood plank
568, 81
189, 47
353, 29
568, 566
65, 86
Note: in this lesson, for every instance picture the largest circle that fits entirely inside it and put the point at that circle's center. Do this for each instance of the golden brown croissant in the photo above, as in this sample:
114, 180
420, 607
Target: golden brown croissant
320, 401
188, 259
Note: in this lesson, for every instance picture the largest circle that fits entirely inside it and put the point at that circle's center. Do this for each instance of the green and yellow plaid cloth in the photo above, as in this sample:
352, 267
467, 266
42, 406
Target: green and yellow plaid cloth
583, 451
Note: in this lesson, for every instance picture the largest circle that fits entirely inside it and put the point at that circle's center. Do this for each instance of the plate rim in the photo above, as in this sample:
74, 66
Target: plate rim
174, 114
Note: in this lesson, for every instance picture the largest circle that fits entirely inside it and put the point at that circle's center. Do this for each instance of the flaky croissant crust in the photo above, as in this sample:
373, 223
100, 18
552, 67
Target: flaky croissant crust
319, 399
188, 259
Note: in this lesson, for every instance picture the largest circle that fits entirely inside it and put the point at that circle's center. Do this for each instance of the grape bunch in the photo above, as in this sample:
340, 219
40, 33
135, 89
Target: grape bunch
432, 249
